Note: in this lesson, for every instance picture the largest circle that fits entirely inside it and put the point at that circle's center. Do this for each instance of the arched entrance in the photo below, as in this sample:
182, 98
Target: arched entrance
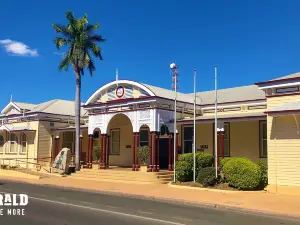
120, 141
164, 147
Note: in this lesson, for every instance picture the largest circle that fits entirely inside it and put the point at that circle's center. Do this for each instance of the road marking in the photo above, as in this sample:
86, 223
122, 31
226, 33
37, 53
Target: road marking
182, 218
144, 212
108, 211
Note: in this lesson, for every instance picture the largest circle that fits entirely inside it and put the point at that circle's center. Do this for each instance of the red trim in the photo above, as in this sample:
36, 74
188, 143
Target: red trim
277, 81
281, 95
224, 103
133, 153
246, 117
283, 111
80, 149
169, 154
154, 152
176, 147
137, 150
151, 154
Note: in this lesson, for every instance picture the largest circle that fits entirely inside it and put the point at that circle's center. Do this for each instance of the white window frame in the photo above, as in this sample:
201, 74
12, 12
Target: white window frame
189, 140
115, 142
23, 142
16, 143
263, 153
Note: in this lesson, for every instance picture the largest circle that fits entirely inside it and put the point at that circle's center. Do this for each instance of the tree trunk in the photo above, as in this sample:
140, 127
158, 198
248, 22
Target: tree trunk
77, 120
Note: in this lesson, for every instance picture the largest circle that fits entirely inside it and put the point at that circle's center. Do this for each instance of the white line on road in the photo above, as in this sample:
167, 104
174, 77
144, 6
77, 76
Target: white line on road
108, 211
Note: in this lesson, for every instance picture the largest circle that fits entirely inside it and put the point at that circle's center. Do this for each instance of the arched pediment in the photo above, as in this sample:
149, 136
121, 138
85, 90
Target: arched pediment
120, 89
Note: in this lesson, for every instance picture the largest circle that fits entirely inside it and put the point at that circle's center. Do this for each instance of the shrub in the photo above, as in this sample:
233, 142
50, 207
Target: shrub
207, 176
183, 171
143, 155
223, 161
204, 160
242, 173
96, 153
263, 164
187, 157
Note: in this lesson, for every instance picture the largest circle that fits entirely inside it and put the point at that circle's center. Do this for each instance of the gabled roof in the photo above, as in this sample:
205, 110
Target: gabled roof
293, 76
236, 94
169, 94
25, 106
58, 106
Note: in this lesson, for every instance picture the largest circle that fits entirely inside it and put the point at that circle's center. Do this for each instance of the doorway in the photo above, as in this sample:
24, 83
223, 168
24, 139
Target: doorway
163, 153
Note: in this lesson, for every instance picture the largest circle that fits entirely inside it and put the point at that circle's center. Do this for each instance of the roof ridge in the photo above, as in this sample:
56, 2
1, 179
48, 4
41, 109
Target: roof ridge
51, 102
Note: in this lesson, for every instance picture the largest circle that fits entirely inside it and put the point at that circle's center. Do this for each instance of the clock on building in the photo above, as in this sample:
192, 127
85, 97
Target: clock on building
120, 91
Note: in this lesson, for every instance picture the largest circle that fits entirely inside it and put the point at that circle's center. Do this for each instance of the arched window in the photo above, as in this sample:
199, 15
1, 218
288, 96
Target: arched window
1, 143
23, 144
13, 143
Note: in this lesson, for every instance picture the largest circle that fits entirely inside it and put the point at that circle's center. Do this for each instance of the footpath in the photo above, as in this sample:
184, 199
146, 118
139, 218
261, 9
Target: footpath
260, 202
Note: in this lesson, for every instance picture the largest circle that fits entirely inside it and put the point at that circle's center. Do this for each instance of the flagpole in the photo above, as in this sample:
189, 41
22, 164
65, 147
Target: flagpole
216, 124
194, 139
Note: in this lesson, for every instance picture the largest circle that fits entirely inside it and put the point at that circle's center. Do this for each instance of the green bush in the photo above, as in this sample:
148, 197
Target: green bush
263, 164
242, 173
143, 155
183, 171
207, 176
202, 160
223, 161
96, 153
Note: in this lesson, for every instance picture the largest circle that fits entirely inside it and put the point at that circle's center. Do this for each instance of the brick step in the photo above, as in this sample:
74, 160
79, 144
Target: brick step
139, 176
101, 179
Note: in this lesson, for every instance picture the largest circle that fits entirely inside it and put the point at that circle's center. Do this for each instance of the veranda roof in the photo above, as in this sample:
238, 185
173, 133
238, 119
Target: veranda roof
11, 128
286, 108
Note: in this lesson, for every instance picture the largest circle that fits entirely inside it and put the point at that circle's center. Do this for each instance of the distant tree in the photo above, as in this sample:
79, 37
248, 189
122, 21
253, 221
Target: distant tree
82, 42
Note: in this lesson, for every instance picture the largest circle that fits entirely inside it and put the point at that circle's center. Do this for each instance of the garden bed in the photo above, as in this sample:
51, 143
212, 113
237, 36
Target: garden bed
221, 186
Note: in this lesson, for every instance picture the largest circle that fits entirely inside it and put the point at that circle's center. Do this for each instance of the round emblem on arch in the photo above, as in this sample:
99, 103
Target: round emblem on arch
120, 91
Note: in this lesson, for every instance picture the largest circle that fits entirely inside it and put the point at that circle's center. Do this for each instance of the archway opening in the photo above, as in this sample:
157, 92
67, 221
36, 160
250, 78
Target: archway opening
120, 141
164, 147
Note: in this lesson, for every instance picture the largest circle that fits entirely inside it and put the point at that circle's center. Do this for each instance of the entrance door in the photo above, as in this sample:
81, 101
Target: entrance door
163, 153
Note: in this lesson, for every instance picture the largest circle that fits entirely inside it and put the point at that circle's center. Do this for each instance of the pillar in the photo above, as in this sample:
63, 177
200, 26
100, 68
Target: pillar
154, 152
222, 141
150, 155
169, 155
107, 150
176, 147
56, 147
80, 150
157, 152
133, 153
90, 151
136, 151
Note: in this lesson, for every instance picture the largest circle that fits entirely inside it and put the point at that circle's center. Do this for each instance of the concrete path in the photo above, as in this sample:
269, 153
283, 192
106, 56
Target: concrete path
52, 205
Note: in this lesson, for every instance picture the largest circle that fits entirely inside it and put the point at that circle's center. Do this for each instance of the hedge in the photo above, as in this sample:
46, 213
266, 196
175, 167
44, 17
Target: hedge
183, 171
207, 176
242, 173
223, 161
263, 164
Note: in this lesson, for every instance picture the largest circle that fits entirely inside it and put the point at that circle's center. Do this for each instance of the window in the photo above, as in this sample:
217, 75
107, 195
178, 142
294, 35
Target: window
115, 142
23, 144
144, 138
188, 139
263, 139
287, 89
13, 143
226, 140
1, 143
68, 140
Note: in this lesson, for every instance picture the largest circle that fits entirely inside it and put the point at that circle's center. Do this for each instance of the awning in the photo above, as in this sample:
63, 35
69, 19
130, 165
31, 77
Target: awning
11, 128
286, 109
70, 128
225, 117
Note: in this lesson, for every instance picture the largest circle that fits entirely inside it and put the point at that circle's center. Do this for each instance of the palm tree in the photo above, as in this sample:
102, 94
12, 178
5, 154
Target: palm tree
82, 42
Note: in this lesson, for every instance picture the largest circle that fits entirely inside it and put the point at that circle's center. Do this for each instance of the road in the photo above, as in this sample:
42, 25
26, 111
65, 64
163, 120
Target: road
58, 206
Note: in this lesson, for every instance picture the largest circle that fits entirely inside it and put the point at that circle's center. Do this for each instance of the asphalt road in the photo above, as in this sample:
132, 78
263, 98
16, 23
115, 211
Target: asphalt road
58, 206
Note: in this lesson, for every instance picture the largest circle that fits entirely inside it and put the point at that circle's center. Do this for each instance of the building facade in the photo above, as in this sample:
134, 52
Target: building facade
259, 121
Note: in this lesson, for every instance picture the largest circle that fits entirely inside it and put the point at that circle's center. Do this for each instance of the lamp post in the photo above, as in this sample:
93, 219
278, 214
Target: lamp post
174, 71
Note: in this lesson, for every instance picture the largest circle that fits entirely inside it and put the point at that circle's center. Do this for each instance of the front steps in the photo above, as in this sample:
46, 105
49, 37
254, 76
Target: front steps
125, 176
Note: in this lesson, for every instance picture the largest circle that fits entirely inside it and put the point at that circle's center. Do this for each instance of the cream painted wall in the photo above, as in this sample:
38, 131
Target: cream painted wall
283, 148
32, 140
126, 138
244, 138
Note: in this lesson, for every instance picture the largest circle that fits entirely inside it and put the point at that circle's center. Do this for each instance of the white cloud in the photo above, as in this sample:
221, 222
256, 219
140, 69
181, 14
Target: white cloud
18, 48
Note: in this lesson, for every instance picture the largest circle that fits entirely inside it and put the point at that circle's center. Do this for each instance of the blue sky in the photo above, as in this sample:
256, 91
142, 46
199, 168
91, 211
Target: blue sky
250, 41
